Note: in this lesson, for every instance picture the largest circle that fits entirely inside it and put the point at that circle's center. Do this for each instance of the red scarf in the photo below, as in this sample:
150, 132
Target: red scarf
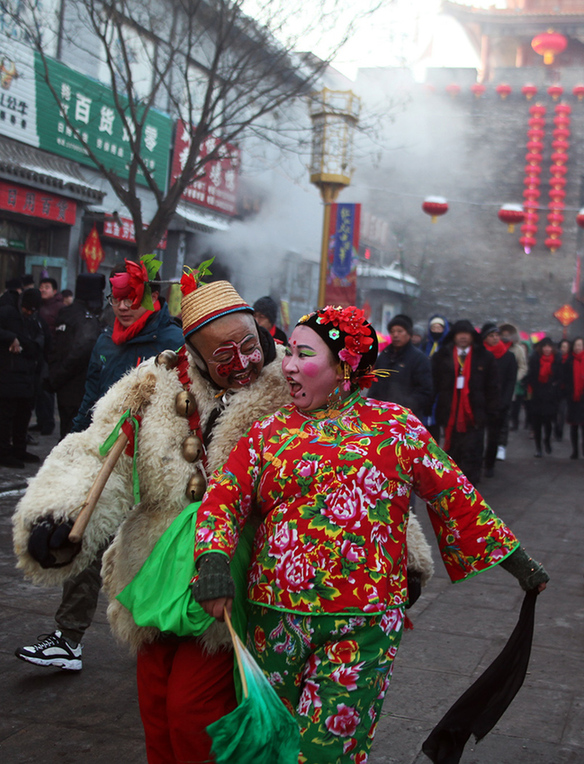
122, 334
578, 375
545, 367
460, 415
499, 349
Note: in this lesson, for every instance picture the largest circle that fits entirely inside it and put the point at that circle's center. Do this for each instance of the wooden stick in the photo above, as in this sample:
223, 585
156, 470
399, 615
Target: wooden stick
78, 529
237, 646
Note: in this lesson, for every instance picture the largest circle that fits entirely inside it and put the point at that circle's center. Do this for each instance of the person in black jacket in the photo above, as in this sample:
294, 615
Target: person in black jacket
21, 343
76, 332
544, 377
410, 383
507, 369
466, 384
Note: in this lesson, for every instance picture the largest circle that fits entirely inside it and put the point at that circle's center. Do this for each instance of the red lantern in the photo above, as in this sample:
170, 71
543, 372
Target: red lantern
562, 120
560, 145
527, 242
579, 92
533, 158
557, 182
556, 217
531, 182
531, 169
561, 132
478, 89
558, 169
537, 110
503, 90
536, 122
557, 194
548, 45
511, 214
553, 244
529, 229
563, 108
535, 146
559, 157
556, 206
580, 218
453, 89
435, 206
529, 91
554, 230
555, 91
532, 194
531, 217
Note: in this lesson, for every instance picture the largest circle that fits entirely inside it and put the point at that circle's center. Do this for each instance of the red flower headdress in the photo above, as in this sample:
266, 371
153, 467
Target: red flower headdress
133, 283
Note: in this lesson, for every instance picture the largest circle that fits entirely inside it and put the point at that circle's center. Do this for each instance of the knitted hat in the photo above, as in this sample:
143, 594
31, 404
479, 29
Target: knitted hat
401, 320
437, 320
90, 286
463, 325
203, 303
487, 329
267, 307
351, 339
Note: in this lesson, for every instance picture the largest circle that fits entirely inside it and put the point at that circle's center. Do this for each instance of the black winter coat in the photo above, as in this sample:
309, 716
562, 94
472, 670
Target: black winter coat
545, 396
575, 413
484, 389
76, 332
507, 369
18, 370
410, 384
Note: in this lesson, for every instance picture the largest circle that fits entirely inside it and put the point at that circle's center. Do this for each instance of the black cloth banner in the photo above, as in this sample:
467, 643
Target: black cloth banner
478, 710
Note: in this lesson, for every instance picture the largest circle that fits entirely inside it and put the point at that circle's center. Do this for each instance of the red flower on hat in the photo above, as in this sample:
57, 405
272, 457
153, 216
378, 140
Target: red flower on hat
188, 283
138, 280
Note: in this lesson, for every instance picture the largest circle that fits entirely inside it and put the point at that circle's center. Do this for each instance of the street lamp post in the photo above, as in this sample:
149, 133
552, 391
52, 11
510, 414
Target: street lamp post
334, 115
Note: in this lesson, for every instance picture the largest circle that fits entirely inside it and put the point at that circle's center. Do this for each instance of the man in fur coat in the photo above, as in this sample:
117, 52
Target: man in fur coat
230, 373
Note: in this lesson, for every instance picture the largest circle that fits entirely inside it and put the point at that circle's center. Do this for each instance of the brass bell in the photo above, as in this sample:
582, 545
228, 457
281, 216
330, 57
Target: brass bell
192, 448
185, 403
196, 487
168, 359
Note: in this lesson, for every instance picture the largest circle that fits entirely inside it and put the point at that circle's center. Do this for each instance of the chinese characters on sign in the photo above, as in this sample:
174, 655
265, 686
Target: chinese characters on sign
92, 251
38, 204
17, 96
341, 282
125, 231
217, 189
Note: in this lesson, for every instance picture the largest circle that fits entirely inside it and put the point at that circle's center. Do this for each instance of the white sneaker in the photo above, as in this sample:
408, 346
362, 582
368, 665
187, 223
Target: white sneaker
52, 650
501, 453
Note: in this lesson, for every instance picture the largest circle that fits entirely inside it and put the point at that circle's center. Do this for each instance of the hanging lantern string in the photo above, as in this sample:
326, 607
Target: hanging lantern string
466, 202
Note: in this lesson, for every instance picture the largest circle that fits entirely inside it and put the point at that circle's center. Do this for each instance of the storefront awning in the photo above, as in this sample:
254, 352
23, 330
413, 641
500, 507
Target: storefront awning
192, 218
45, 171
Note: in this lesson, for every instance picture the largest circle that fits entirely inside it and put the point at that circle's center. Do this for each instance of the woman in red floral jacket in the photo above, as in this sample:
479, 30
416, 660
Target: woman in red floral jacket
330, 477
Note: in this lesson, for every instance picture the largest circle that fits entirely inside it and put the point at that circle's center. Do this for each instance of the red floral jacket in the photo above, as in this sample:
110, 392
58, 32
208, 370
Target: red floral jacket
333, 493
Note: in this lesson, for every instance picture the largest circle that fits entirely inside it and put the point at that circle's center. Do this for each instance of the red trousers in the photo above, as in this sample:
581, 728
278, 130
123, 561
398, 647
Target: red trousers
181, 690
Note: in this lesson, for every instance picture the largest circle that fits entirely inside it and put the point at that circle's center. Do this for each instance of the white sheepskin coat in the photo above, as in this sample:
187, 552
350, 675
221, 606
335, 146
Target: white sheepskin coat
63, 481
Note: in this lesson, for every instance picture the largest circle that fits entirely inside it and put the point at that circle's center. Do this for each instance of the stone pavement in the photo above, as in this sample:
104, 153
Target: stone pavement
92, 717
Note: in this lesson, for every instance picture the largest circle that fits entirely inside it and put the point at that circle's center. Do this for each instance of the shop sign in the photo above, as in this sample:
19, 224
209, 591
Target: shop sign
30, 113
217, 189
125, 231
343, 245
36, 204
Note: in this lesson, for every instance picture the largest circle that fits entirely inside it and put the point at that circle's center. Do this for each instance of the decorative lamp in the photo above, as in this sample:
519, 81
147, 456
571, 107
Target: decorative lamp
555, 91
527, 242
503, 90
535, 133
531, 169
554, 230
531, 181
532, 194
580, 218
553, 244
559, 157
535, 146
478, 89
533, 158
563, 108
578, 91
453, 89
548, 45
511, 214
529, 229
558, 169
562, 120
556, 217
435, 206
561, 132
529, 91
537, 110
536, 122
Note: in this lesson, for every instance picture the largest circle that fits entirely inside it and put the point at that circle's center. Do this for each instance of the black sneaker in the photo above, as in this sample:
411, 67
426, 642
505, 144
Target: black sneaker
52, 650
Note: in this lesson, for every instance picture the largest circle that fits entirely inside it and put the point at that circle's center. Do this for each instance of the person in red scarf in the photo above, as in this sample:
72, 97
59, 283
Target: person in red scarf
466, 384
507, 370
565, 350
543, 379
138, 333
574, 386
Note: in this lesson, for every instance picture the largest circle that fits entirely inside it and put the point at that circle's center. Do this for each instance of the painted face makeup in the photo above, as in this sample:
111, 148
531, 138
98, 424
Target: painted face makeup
310, 369
236, 356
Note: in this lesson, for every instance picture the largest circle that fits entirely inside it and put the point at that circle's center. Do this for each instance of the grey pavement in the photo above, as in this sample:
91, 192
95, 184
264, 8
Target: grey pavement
92, 717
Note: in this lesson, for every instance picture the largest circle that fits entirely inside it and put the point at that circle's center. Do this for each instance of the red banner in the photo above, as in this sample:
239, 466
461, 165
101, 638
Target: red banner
341, 278
217, 190
92, 251
125, 231
37, 204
